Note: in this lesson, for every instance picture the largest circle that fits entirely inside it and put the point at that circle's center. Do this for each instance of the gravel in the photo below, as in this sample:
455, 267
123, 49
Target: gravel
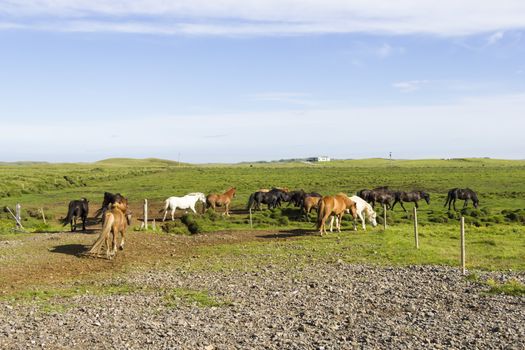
321, 306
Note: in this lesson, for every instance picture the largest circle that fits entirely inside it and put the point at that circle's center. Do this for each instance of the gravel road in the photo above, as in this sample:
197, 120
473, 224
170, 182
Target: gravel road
322, 306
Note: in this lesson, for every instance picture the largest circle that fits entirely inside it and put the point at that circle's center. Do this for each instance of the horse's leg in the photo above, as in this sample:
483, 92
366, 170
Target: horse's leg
84, 218
332, 223
121, 247
454, 204
402, 206
395, 202
165, 214
192, 207
173, 213
360, 214
338, 220
416, 205
465, 204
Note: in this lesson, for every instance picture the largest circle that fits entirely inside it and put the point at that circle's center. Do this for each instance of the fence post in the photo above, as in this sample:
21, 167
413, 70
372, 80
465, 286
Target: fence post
153, 225
17, 214
416, 233
43, 215
462, 230
145, 214
251, 222
384, 217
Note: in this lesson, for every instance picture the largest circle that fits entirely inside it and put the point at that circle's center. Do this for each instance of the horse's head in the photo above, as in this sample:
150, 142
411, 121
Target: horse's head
372, 216
201, 197
426, 197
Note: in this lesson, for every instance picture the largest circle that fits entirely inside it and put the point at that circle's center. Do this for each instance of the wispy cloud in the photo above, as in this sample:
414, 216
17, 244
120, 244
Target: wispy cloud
410, 85
494, 38
296, 98
265, 17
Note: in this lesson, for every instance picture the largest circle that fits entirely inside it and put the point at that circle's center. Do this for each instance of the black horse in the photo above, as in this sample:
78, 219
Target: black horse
465, 194
382, 195
272, 198
297, 197
77, 208
109, 198
414, 196
364, 193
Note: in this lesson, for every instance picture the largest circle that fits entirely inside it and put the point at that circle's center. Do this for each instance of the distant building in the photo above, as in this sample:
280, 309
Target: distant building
318, 159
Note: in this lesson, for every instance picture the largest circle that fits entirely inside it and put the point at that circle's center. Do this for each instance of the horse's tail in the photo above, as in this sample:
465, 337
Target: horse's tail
449, 198
320, 212
166, 205
250, 201
68, 217
106, 230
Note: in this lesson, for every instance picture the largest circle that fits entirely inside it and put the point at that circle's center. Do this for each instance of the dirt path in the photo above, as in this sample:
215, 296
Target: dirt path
52, 259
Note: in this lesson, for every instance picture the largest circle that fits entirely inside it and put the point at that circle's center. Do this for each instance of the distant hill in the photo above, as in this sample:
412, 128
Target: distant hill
146, 162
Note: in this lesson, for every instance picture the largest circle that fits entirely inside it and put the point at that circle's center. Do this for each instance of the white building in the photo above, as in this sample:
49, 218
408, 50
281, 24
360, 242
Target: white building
319, 159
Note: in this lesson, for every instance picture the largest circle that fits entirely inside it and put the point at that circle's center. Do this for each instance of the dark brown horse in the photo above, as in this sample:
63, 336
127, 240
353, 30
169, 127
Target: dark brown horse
221, 200
465, 194
382, 195
77, 208
414, 196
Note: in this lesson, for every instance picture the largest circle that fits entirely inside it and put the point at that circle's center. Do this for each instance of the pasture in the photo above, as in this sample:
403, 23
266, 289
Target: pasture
495, 230
197, 263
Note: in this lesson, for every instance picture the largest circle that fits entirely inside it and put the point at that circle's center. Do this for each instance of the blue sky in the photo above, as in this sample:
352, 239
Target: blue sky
254, 80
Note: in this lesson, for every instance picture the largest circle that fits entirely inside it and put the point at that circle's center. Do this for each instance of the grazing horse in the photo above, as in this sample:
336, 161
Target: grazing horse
309, 203
218, 200
77, 208
115, 222
297, 197
461, 193
334, 205
272, 198
413, 196
364, 194
363, 207
186, 202
382, 196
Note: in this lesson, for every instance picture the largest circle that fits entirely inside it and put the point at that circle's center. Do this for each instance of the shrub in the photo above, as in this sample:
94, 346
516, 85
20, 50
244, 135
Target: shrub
175, 227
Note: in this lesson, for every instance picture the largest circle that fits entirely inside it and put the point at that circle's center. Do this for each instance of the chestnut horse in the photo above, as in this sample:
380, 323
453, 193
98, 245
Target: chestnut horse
334, 205
218, 200
309, 203
115, 222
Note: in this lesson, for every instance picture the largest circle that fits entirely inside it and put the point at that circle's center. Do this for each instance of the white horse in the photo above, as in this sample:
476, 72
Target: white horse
362, 206
186, 202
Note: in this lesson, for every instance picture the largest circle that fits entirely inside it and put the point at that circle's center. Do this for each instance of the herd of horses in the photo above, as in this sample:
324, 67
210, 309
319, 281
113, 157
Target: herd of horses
115, 215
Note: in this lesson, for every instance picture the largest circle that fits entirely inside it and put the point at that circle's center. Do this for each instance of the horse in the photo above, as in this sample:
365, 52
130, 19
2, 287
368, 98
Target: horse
461, 193
115, 222
272, 198
363, 207
186, 202
77, 208
109, 198
381, 195
364, 194
218, 200
413, 196
297, 197
309, 203
334, 205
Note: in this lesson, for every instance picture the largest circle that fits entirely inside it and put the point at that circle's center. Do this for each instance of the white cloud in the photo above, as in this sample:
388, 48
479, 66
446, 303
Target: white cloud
268, 17
410, 85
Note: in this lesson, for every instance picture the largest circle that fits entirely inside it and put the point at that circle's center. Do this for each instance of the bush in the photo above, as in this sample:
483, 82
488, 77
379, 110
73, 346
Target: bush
191, 222
175, 227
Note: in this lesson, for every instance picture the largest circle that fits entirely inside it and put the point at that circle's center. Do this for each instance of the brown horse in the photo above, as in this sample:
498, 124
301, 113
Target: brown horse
334, 205
310, 203
115, 221
218, 200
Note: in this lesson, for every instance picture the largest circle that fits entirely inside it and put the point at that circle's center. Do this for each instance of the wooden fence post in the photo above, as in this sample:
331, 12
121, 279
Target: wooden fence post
17, 214
462, 231
384, 217
145, 214
416, 233
43, 215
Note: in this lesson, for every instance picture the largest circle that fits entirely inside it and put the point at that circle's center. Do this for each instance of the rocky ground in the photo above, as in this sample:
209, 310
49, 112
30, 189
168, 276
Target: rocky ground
323, 306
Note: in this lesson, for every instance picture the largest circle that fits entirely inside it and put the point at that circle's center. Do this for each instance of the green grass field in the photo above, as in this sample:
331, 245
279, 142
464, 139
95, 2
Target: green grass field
496, 228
